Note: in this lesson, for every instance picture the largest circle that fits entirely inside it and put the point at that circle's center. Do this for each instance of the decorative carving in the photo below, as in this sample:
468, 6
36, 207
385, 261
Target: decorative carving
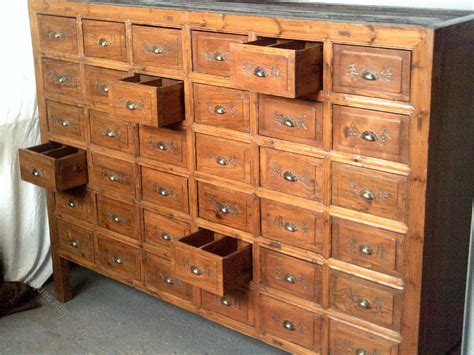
384, 74
352, 131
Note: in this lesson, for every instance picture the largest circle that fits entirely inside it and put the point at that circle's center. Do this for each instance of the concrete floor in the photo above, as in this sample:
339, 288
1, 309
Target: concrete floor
106, 317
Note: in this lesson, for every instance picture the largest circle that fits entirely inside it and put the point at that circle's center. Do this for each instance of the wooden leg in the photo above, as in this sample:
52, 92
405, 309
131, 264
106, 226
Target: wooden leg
62, 280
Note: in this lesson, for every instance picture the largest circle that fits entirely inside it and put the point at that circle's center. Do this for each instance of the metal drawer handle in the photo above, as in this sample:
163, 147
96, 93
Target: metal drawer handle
131, 105
62, 79
162, 146
365, 249
361, 352
103, 42
72, 203
226, 301
116, 218
366, 194
165, 236
74, 243
290, 227
368, 75
163, 192
156, 50
36, 173
289, 176
288, 325
220, 57
104, 88
219, 109
290, 278
113, 177
118, 260
289, 122
195, 270
364, 303
222, 161
224, 209
64, 122
110, 133
56, 35
369, 136
169, 280
260, 72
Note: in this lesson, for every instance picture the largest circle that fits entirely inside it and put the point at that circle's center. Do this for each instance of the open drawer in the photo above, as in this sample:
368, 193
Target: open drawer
147, 100
213, 262
54, 166
277, 67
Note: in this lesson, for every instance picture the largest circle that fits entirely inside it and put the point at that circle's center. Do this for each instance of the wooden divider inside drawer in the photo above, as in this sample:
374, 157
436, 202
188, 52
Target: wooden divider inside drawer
213, 262
54, 166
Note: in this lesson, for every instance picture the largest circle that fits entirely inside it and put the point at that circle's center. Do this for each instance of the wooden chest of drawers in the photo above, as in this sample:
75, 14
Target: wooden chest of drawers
300, 176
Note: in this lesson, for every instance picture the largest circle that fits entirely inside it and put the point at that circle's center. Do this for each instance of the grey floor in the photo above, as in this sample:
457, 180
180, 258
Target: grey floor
106, 317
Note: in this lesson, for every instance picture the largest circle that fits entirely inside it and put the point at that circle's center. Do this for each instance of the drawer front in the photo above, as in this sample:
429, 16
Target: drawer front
211, 53
119, 258
375, 134
157, 47
61, 77
65, 120
77, 203
291, 173
104, 39
143, 99
113, 174
292, 225
293, 120
98, 82
376, 72
222, 107
378, 193
57, 34
118, 217
237, 305
165, 189
110, 133
165, 145
76, 241
161, 230
222, 157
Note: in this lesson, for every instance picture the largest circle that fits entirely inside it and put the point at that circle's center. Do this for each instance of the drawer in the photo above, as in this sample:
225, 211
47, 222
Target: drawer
148, 100
104, 39
119, 258
114, 175
226, 206
364, 299
77, 203
161, 231
291, 275
118, 217
292, 120
165, 189
215, 263
65, 120
57, 34
223, 157
365, 190
291, 173
371, 133
346, 340
76, 241
54, 166
291, 323
110, 133
157, 47
366, 246
61, 78
236, 305
222, 107
165, 145
369, 71
211, 52
277, 67
292, 225
98, 80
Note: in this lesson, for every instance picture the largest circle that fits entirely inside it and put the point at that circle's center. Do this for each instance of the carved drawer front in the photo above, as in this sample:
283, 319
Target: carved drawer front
368, 71
375, 134
110, 174
118, 217
98, 82
66, 121
76, 241
364, 299
104, 39
57, 34
77, 203
110, 133
226, 206
165, 145
211, 52
215, 263
147, 100
291, 323
222, 107
165, 189
54, 166
277, 67
157, 47
291, 275
119, 258
222, 157
291, 173
237, 305
366, 246
60, 77
365, 190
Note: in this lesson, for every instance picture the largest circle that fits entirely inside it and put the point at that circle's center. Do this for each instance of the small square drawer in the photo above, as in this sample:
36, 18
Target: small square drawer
165, 145
110, 133
54, 166
236, 305
110, 174
370, 71
222, 107
76, 241
118, 216
57, 34
215, 263
104, 39
277, 67
65, 120
98, 82
157, 47
211, 52
148, 100
61, 78
77, 203
119, 258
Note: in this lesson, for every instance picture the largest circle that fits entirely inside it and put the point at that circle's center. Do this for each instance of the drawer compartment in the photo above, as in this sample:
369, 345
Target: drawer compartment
65, 120
54, 166
119, 258
213, 262
76, 241
104, 39
61, 78
98, 80
277, 67
118, 217
57, 34
160, 231
77, 203
148, 100
165, 145
237, 305
110, 174
110, 133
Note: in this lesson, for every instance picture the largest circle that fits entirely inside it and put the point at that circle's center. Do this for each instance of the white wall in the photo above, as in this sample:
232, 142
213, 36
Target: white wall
440, 4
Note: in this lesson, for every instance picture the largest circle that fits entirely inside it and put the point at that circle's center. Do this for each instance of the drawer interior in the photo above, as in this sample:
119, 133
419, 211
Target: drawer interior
53, 150
282, 44
150, 80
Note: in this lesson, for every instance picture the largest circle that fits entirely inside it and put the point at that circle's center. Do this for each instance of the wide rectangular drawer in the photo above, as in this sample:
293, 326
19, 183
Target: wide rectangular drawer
98, 80
103, 39
118, 216
119, 258
110, 133
165, 145
57, 34
237, 305
77, 203
65, 120
61, 78
110, 174
76, 241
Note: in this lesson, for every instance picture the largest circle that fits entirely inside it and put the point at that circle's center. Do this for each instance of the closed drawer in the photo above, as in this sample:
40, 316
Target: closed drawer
368, 71
157, 47
291, 173
54, 166
292, 120
57, 34
211, 52
119, 258
114, 175
61, 78
65, 120
98, 82
365, 190
375, 134
222, 157
160, 231
277, 67
292, 225
77, 203
237, 305
104, 39
365, 299
110, 133
222, 107
165, 189
118, 217
213, 262
165, 145
76, 241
